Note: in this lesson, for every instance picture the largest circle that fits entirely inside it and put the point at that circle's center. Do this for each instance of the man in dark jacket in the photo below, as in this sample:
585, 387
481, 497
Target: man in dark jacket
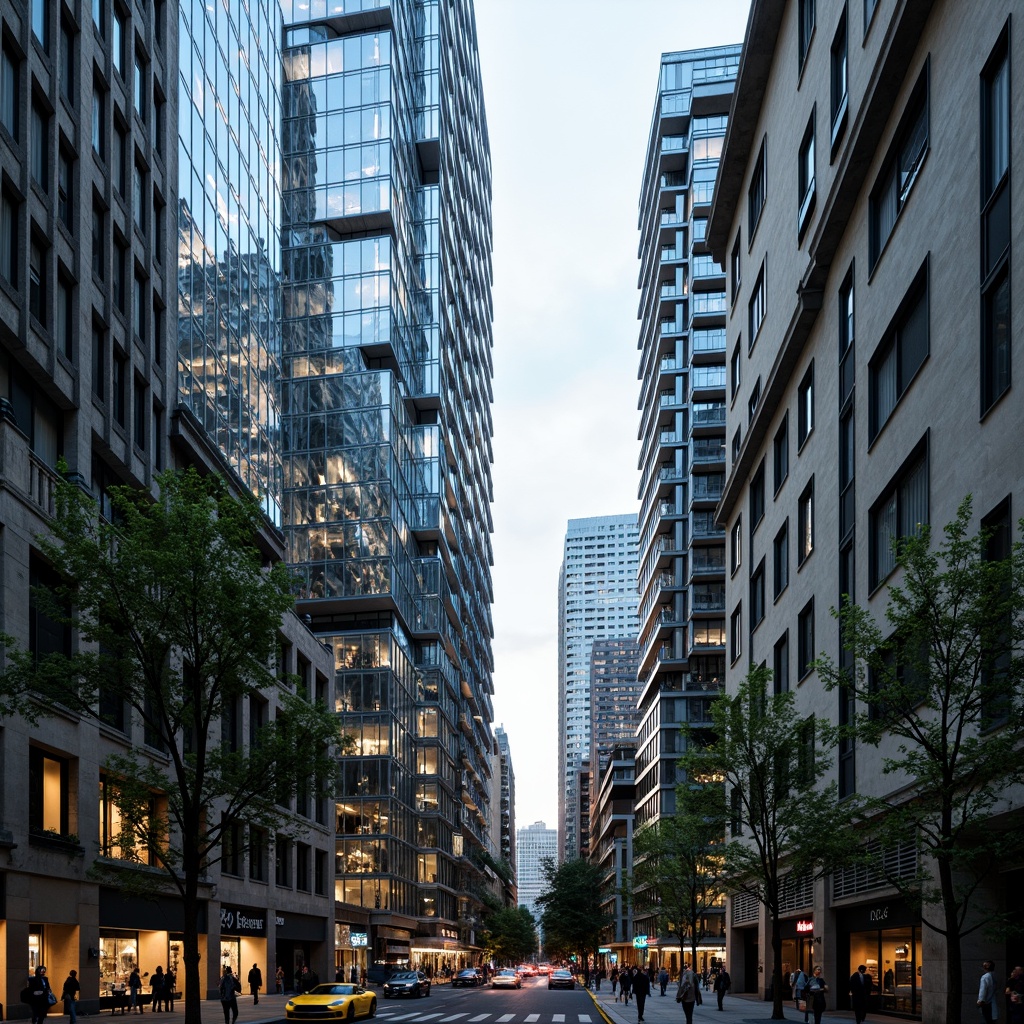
861, 984
255, 980
722, 985
641, 990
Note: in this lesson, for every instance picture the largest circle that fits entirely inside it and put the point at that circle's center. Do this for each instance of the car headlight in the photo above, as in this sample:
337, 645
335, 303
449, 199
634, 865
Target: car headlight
337, 1002
289, 1005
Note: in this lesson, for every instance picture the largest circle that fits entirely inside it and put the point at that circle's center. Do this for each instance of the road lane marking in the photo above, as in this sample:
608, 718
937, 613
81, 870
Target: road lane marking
479, 1017
584, 1018
532, 1018
505, 1018
558, 1018
454, 1016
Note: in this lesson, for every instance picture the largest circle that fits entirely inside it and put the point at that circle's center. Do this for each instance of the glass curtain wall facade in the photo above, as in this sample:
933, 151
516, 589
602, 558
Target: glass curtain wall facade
386, 436
682, 405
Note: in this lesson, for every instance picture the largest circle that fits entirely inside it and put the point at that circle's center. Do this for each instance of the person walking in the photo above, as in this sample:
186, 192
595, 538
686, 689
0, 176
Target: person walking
799, 983
987, 993
861, 984
615, 982
663, 980
686, 992
169, 982
156, 984
70, 995
38, 994
722, 985
279, 979
256, 982
229, 987
1015, 995
641, 990
626, 984
816, 990
135, 991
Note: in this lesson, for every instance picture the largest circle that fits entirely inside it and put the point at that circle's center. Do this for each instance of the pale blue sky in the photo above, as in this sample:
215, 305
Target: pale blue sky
569, 87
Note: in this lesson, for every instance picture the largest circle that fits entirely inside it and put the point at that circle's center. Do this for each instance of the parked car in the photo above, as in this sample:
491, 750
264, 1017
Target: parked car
332, 1002
407, 983
506, 979
468, 977
561, 979
379, 972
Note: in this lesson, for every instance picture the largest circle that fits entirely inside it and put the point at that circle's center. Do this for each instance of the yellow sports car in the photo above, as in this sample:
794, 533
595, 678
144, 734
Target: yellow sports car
332, 1002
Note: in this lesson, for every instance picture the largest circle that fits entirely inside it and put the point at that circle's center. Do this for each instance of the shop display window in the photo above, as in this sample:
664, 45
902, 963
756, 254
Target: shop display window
119, 956
893, 959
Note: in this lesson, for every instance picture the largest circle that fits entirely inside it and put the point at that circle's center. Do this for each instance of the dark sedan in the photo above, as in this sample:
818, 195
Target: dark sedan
469, 977
407, 983
561, 979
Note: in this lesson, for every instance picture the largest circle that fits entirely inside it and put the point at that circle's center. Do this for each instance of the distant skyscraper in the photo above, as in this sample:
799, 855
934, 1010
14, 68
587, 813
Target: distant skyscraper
683, 401
596, 600
614, 691
533, 844
503, 821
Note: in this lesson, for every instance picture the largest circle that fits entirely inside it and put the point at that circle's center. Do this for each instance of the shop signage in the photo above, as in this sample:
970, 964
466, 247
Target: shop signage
359, 939
879, 914
242, 921
639, 941
603, 950
804, 927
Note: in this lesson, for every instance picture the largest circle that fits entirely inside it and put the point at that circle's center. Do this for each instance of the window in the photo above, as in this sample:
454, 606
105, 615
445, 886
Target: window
257, 854
995, 225
898, 174
232, 844
899, 356
116, 839
780, 663
805, 27
119, 386
99, 230
48, 788
139, 304
736, 632
780, 556
869, 13
65, 333
117, 41
805, 407
757, 597
847, 451
320, 872
900, 512
140, 85
735, 266
66, 67
140, 201
737, 443
996, 684
735, 370
755, 308
803, 776
119, 281
805, 640
839, 77
805, 177
736, 545
97, 15
283, 861
140, 413
40, 155
846, 339
98, 122
66, 188
119, 158
780, 453
99, 361
806, 522
37, 258
9, 239
9, 91
303, 853
757, 499
41, 22
758, 190
752, 402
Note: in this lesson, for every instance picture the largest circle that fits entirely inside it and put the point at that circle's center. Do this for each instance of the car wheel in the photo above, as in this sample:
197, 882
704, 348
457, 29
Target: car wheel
417, 992
373, 1007
351, 1015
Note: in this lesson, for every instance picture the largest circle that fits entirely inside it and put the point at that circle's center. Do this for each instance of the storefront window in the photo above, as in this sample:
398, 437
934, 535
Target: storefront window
118, 957
893, 959
230, 955
35, 947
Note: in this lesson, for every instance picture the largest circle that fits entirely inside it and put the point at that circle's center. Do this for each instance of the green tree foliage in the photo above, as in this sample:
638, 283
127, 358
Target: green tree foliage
178, 618
785, 822
572, 917
939, 689
512, 935
679, 860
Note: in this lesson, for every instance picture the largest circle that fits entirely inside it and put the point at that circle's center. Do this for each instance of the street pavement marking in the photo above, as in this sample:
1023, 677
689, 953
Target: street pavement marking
454, 1016
403, 1016
479, 1017
505, 1018
532, 1018
558, 1017
584, 1018
428, 1016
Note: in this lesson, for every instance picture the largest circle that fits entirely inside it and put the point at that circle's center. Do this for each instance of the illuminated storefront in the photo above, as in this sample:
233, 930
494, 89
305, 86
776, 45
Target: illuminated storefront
243, 938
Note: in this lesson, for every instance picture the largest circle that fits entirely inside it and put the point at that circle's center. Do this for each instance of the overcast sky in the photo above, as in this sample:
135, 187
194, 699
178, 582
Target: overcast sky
569, 87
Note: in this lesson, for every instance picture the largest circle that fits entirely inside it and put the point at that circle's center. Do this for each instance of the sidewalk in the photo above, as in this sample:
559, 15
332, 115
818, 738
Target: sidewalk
269, 1010
737, 1009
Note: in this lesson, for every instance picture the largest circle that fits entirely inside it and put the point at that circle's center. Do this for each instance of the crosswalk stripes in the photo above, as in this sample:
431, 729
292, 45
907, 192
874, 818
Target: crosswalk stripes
532, 1018
454, 1016
416, 1017
558, 1018
506, 1017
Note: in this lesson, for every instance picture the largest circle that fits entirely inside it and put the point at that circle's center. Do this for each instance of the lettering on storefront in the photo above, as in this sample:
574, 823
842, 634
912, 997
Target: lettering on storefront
242, 921
804, 927
879, 914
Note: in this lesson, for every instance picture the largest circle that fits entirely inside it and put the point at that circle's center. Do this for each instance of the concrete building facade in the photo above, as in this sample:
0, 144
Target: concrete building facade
865, 212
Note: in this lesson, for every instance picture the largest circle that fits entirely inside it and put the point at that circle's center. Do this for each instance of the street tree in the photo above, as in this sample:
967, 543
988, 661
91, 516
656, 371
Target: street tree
939, 688
572, 917
178, 615
512, 935
785, 822
678, 863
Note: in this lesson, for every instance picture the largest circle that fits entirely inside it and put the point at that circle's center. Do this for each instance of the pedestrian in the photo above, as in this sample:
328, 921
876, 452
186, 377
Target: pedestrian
799, 983
229, 987
615, 982
816, 989
279, 979
626, 984
70, 995
722, 985
686, 992
861, 984
169, 982
135, 991
156, 984
987, 993
256, 982
38, 994
1015, 995
663, 980
641, 990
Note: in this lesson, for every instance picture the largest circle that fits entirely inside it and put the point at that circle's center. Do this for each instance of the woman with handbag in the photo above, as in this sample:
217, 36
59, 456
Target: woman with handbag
815, 994
687, 993
41, 996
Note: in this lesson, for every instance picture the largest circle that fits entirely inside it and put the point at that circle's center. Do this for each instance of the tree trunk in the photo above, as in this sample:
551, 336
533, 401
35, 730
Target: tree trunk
954, 967
194, 987
777, 1012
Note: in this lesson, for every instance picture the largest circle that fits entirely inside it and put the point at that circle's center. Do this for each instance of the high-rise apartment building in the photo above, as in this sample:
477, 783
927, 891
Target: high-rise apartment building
503, 820
614, 692
682, 405
287, 280
534, 844
596, 600
871, 327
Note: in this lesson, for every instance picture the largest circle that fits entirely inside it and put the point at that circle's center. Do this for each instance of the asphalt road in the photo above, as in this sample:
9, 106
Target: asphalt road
531, 1004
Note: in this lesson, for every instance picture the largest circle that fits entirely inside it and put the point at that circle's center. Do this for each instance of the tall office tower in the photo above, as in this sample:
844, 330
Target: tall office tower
103, 271
386, 435
534, 844
682, 405
596, 600
503, 823
614, 693
871, 325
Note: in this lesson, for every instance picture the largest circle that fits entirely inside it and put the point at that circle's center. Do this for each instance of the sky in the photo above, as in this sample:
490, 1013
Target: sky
569, 90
